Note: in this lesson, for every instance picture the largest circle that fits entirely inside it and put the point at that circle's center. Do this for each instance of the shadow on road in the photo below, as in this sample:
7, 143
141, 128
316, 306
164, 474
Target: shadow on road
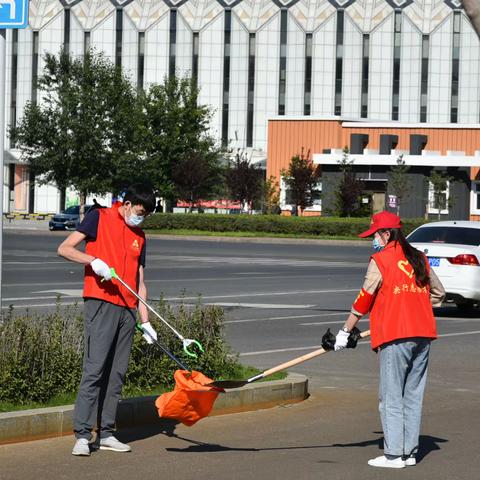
427, 444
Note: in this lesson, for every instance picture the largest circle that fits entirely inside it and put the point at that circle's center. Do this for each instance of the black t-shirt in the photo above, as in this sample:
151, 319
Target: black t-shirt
89, 227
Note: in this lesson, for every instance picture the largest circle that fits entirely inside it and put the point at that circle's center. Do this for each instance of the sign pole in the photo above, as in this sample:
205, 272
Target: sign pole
13, 14
3, 38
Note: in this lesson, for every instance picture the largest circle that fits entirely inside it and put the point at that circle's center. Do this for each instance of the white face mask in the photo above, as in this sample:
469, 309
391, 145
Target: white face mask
134, 220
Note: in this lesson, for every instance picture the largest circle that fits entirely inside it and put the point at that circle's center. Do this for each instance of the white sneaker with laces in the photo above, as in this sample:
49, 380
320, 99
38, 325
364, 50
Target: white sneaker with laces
111, 443
410, 461
81, 448
384, 462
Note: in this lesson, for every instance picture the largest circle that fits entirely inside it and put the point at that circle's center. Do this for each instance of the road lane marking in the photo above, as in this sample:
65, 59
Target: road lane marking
314, 347
267, 294
458, 334
271, 306
73, 292
289, 317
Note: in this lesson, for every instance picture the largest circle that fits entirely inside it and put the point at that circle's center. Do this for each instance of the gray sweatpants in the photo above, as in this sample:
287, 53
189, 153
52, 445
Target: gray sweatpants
109, 331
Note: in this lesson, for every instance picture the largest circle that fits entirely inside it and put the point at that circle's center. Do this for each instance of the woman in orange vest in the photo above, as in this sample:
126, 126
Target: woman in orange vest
399, 291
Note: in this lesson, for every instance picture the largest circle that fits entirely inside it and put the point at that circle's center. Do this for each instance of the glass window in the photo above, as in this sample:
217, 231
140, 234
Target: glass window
453, 235
339, 63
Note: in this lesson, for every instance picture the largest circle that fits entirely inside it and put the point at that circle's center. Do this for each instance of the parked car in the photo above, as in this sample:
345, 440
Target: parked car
453, 250
69, 219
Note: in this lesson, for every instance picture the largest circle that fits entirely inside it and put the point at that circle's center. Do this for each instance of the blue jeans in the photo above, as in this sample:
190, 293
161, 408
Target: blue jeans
403, 374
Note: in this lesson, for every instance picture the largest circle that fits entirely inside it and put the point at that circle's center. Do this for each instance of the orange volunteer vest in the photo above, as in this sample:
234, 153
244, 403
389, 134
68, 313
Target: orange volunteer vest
401, 309
119, 246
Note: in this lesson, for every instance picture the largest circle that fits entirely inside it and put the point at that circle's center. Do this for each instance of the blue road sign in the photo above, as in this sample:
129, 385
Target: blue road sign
13, 13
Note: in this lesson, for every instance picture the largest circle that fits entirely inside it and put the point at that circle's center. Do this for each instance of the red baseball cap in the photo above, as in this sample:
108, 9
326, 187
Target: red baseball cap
382, 220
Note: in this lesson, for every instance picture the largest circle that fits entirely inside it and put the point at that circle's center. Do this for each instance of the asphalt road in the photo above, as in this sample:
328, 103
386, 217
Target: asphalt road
279, 299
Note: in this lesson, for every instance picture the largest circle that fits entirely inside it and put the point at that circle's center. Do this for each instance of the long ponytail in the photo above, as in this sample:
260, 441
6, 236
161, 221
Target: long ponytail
415, 258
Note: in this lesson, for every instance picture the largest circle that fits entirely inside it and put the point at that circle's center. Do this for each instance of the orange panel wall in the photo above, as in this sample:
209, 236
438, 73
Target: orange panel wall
287, 137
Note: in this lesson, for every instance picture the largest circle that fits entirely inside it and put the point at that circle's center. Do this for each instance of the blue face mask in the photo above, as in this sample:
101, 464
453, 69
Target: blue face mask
134, 220
376, 245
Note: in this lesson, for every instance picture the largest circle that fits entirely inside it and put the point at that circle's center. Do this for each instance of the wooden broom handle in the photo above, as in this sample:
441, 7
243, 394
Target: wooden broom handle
303, 358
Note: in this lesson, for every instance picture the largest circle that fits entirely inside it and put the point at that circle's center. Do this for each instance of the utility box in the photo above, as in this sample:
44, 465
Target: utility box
358, 142
388, 143
417, 144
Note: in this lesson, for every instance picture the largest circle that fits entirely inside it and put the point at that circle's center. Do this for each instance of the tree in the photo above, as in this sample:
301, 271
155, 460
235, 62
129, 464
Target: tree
472, 9
176, 131
349, 190
301, 179
398, 181
439, 182
244, 180
84, 132
197, 176
271, 196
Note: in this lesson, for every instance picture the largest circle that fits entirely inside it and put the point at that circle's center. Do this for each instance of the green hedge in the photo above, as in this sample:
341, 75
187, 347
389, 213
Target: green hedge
275, 224
41, 355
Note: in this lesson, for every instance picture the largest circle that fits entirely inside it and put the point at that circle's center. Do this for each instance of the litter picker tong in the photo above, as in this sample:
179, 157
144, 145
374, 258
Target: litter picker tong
187, 342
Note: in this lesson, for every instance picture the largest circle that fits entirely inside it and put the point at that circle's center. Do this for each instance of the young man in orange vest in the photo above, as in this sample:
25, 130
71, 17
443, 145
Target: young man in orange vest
113, 240
399, 291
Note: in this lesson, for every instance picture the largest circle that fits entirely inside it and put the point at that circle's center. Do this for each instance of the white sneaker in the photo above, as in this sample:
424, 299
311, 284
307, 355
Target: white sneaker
81, 448
111, 443
384, 462
410, 461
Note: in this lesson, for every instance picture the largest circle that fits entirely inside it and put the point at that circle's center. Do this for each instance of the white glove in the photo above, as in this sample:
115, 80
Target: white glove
149, 332
341, 340
101, 269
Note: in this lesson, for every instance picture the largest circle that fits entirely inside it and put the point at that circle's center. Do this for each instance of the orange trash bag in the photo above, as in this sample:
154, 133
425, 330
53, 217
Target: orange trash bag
191, 399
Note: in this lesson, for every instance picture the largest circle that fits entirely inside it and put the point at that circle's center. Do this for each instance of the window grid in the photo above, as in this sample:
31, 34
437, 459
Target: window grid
118, 37
195, 48
227, 37
307, 103
397, 44
35, 66
13, 81
455, 67
86, 42
66, 31
251, 87
339, 62
141, 60
365, 60
282, 77
424, 78
173, 42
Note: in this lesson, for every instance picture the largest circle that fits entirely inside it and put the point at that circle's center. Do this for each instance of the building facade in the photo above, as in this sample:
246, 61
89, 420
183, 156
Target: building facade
452, 150
402, 60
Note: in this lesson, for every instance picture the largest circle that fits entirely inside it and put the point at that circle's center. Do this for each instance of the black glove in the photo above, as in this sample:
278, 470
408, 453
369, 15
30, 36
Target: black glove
353, 337
328, 340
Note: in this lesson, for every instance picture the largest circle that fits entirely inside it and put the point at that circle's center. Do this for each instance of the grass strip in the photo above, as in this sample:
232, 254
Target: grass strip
69, 398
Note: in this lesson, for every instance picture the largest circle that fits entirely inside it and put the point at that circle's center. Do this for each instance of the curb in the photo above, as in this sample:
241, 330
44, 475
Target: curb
265, 240
27, 425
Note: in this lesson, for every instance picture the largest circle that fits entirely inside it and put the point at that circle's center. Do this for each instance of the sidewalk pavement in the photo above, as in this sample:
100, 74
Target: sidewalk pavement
26, 425
22, 225
330, 436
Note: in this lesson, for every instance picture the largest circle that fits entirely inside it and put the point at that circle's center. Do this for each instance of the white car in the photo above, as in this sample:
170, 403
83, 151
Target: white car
453, 250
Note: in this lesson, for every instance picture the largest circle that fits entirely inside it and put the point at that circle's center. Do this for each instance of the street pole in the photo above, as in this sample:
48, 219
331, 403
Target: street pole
3, 39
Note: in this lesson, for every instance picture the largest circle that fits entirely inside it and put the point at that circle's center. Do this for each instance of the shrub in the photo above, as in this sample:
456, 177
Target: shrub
275, 224
41, 355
